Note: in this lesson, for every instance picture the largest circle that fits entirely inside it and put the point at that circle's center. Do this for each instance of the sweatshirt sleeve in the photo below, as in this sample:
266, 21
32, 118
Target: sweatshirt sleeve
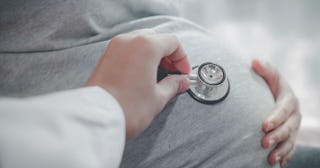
78, 128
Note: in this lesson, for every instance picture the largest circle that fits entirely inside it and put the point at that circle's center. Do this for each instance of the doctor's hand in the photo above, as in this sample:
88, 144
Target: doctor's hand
282, 125
128, 71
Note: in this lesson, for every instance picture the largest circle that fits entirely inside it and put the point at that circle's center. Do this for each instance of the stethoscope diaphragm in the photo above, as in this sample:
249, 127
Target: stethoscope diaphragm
208, 83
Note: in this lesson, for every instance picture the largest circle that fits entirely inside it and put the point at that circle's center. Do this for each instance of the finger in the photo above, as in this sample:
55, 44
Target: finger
281, 151
283, 132
170, 46
288, 157
269, 74
283, 109
182, 66
168, 65
169, 87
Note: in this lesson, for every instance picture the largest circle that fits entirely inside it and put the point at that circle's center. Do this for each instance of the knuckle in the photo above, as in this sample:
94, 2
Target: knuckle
276, 138
290, 129
286, 132
142, 40
282, 135
284, 111
144, 44
292, 100
282, 116
117, 40
296, 124
278, 119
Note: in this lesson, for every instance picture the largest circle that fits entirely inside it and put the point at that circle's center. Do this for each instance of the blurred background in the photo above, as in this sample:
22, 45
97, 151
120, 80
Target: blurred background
285, 33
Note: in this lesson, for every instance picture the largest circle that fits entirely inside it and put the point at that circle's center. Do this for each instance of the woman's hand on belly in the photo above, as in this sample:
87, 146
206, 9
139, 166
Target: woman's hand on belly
282, 125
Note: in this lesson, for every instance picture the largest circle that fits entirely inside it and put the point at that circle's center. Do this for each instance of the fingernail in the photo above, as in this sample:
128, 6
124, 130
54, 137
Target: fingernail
271, 142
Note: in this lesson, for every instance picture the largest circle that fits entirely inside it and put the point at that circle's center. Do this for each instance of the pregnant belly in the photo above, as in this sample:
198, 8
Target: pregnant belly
190, 134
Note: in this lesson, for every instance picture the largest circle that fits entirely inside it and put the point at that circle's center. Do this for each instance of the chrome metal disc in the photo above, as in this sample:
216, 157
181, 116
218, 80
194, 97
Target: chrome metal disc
209, 83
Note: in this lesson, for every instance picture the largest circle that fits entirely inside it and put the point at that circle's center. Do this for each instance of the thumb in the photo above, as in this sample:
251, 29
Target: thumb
269, 74
170, 86
262, 69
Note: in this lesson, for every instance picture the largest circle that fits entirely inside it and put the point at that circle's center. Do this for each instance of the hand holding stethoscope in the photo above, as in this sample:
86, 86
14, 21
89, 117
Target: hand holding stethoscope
208, 83
128, 68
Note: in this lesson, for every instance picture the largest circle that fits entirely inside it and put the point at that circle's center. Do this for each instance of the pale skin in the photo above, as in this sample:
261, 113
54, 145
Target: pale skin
282, 126
141, 97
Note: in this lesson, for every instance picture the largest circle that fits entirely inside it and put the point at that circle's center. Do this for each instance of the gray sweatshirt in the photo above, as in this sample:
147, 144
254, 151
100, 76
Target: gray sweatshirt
49, 48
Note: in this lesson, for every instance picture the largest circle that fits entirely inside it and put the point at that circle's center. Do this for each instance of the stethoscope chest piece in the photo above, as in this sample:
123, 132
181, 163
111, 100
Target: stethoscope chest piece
208, 83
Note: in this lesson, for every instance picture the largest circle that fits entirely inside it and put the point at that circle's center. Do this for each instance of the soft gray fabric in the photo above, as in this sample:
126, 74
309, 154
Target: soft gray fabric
48, 46
44, 25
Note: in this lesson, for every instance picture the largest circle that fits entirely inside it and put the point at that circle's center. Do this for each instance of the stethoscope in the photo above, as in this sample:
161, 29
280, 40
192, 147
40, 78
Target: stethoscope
208, 83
